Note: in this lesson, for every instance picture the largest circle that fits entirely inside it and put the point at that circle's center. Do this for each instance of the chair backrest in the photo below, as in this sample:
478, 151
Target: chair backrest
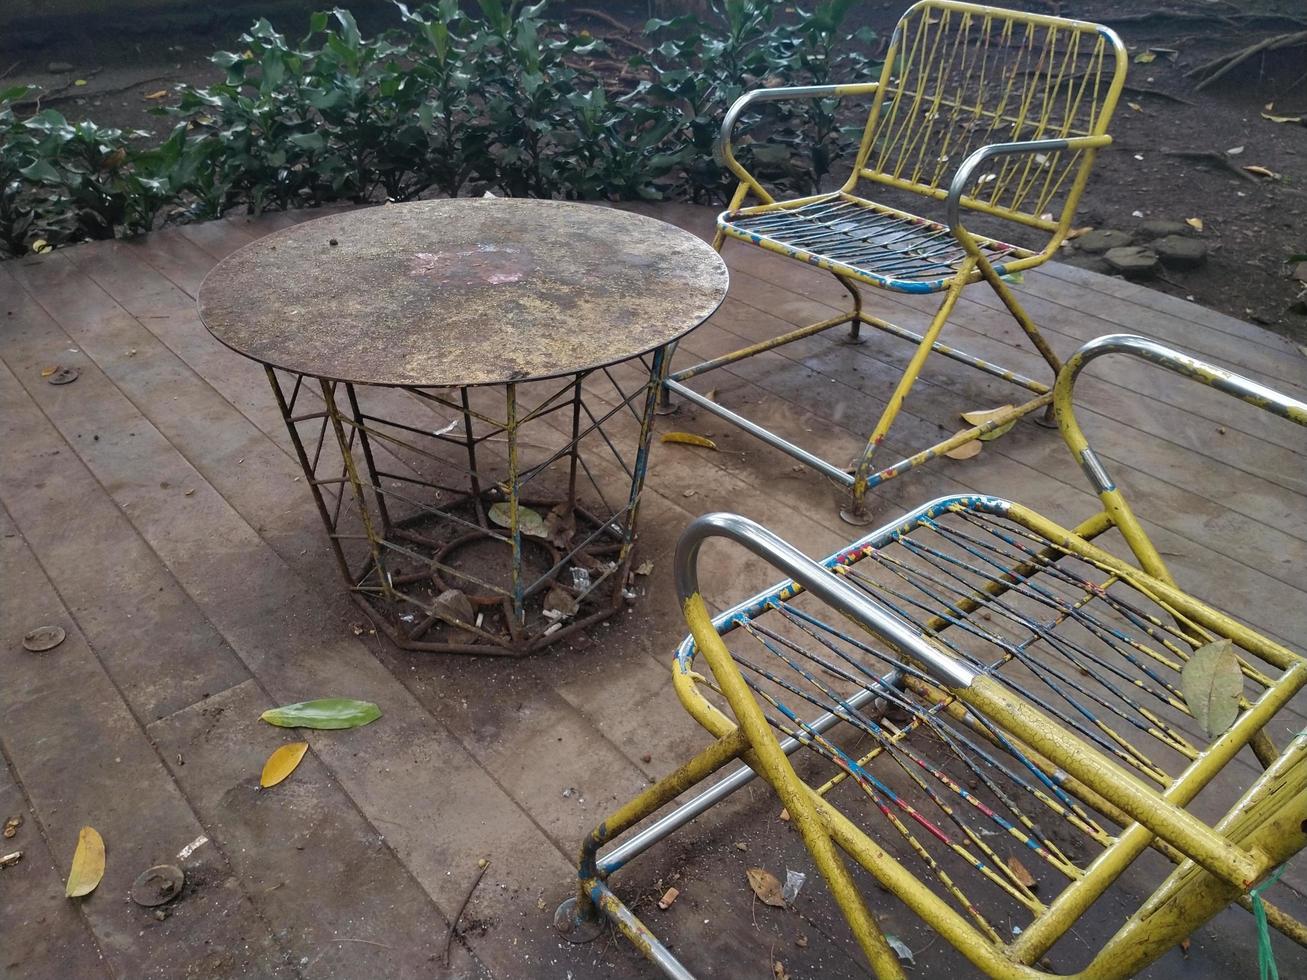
959, 76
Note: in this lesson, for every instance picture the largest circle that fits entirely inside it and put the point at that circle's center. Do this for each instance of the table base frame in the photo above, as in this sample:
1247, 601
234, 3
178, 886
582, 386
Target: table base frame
399, 496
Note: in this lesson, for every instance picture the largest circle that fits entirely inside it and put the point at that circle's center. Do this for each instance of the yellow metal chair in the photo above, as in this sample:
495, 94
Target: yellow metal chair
980, 112
1004, 716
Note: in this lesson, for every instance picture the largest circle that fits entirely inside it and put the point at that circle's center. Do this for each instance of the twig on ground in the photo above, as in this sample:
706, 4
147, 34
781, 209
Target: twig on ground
1157, 93
1211, 156
61, 93
1219, 67
453, 923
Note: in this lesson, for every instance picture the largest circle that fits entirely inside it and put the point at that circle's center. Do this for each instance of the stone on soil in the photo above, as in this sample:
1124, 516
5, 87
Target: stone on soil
1132, 261
1099, 240
1181, 251
1161, 227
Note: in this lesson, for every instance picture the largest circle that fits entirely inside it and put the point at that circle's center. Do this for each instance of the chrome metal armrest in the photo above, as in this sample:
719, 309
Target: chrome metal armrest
964, 177
862, 609
722, 149
1151, 351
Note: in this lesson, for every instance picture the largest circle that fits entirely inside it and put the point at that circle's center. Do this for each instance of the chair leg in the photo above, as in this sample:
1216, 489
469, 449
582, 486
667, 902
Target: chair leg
856, 512
581, 918
855, 324
663, 405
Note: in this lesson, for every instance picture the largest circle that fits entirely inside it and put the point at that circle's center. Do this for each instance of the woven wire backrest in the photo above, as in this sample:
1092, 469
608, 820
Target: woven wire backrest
959, 77
994, 829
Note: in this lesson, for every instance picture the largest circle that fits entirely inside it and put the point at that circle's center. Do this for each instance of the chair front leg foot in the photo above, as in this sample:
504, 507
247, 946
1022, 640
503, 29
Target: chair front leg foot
854, 337
578, 920
1046, 418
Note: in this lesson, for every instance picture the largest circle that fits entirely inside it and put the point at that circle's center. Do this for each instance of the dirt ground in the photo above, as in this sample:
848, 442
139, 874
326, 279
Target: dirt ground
1180, 154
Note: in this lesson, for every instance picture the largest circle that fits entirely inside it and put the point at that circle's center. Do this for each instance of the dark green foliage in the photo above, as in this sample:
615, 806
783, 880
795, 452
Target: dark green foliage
448, 102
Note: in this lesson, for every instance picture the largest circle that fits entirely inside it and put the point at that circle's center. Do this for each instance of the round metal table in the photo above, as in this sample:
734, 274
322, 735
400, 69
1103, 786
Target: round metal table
469, 385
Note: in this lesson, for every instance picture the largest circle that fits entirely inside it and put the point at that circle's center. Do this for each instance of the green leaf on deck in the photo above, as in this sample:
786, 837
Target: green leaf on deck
323, 713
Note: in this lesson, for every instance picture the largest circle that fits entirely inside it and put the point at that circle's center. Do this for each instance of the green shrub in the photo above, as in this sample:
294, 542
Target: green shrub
449, 101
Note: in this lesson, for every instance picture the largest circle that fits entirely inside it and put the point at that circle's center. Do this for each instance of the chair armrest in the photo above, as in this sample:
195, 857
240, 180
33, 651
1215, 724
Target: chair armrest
821, 582
1155, 353
964, 177
723, 151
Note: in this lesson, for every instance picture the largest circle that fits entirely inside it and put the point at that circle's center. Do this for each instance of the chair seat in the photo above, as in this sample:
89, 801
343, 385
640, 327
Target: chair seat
938, 784
864, 241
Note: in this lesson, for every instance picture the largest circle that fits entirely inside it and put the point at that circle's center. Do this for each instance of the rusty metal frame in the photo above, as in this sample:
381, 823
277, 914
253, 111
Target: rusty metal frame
386, 466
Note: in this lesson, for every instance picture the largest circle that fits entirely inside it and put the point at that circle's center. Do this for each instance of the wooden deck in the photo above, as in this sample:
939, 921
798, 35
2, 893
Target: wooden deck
154, 509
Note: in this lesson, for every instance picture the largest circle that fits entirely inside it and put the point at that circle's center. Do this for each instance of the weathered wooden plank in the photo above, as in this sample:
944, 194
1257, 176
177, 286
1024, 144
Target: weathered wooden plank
343, 903
298, 645
45, 933
76, 775
1158, 300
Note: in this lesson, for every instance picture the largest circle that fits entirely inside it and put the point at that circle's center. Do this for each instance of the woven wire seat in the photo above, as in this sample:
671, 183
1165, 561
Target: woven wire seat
866, 242
1000, 721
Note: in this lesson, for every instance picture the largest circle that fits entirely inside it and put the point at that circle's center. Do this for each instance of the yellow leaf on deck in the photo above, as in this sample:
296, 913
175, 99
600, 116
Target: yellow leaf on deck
984, 415
282, 763
1195, 223
1145, 58
88, 864
968, 450
688, 439
1262, 171
980, 418
161, 94
1281, 119
1135, 106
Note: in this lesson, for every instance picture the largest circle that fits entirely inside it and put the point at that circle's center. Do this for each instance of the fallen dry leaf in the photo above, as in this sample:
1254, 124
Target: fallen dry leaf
766, 887
10, 859
1262, 171
47, 371
1184, 947
1024, 877
88, 864
968, 450
785, 816
644, 568
12, 825
778, 971
981, 417
1077, 232
528, 521
282, 763
1145, 58
1212, 684
1282, 119
1135, 106
668, 898
161, 94
688, 439
802, 941
1195, 223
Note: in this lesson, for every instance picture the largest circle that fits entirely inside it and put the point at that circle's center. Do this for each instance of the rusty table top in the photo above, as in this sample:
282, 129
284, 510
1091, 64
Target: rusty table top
467, 291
